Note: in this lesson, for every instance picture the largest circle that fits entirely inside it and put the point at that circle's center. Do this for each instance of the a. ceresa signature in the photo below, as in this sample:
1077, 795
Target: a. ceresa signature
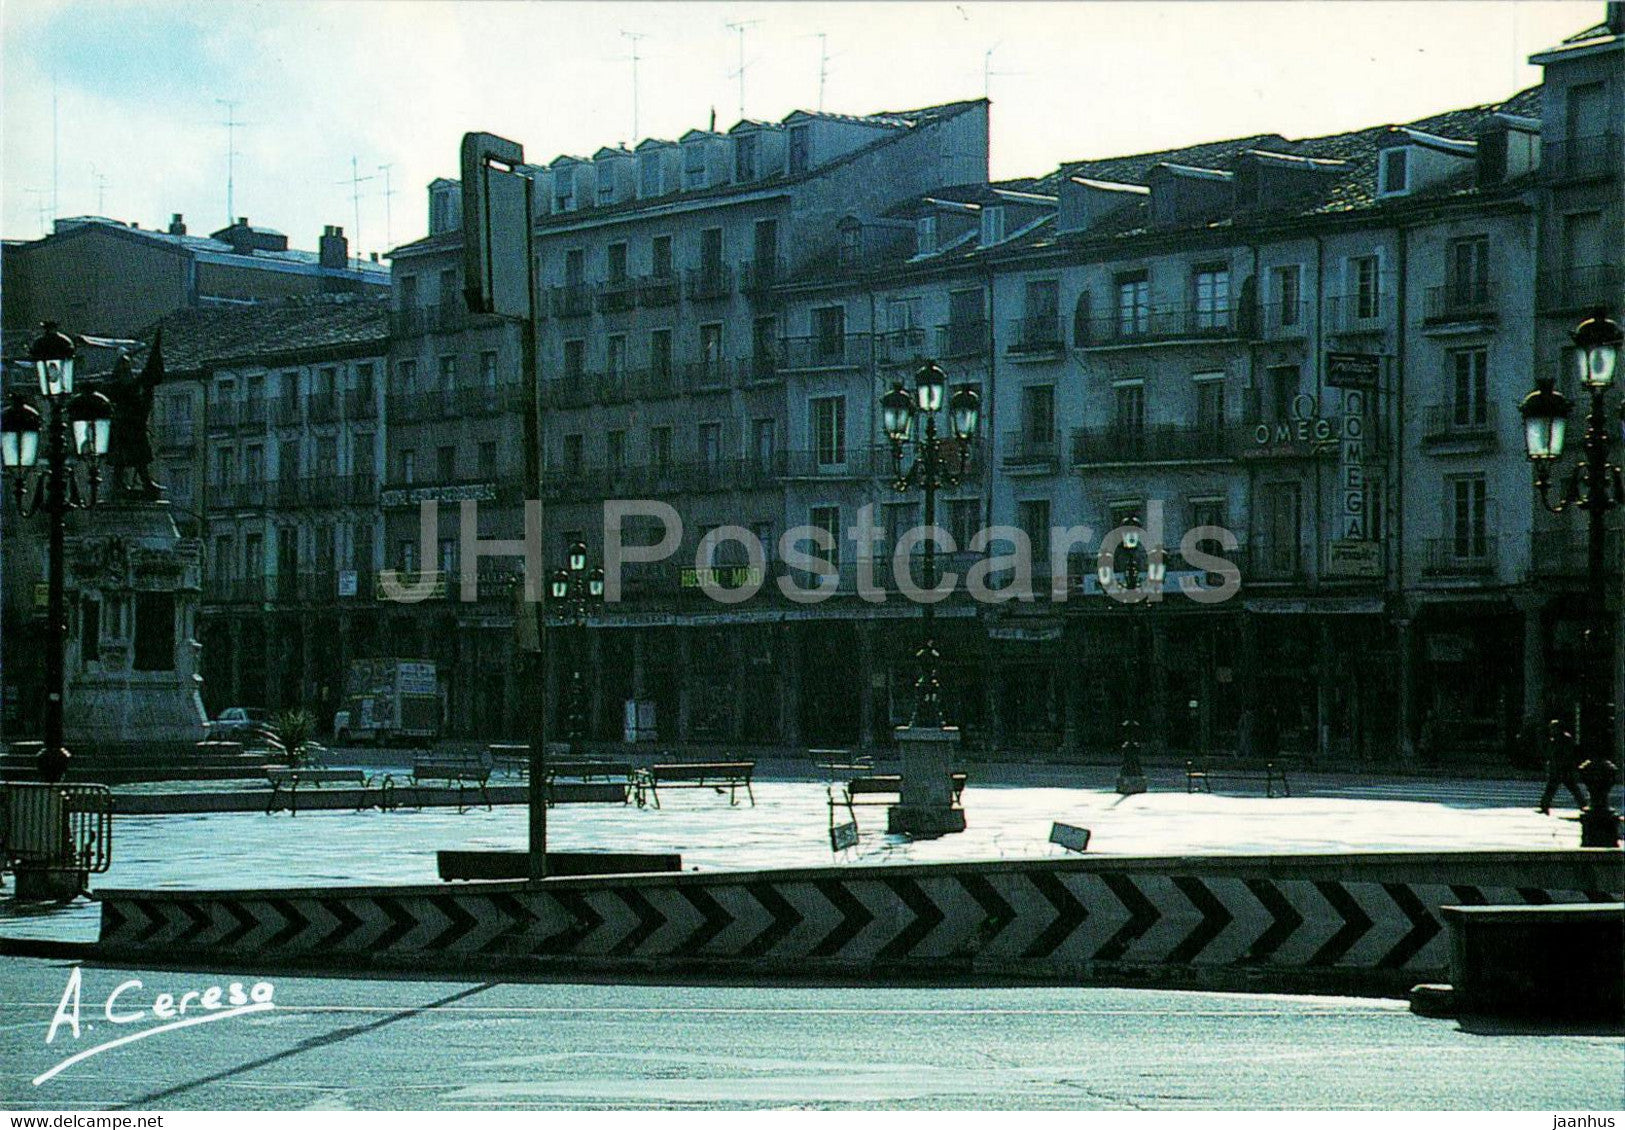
127, 1005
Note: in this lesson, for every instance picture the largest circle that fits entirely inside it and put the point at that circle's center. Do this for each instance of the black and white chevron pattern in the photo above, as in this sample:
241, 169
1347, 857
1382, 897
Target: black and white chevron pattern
1041, 915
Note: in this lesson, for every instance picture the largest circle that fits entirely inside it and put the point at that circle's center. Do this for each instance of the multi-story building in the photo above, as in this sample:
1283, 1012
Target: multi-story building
100, 276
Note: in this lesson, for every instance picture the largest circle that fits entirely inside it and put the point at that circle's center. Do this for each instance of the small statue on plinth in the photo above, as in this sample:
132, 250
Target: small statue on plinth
129, 445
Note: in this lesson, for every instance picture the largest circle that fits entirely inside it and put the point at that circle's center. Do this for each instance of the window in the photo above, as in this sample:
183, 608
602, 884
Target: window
1128, 418
615, 450
1212, 286
1289, 294
225, 557
1469, 529
1395, 167
254, 462
766, 243
660, 353
800, 149
1042, 323
1038, 416
1367, 284
615, 355
1283, 385
406, 377
765, 443
711, 252
660, 446
1133, 304
362, 382
575, 359
406, 555
711, 445
1469, 271
488, 369
711, 350
361, 546
694, 166
1032, 516
660, 257
364, 457
445, 463
572, 455
253, 555
290, 387
488, 459
763, 338
851, 243
575, 267
764, 534
898, 518
1207, 512
406, 465
829, 335
828, 518
448, 373
1282, 513
224, 461
745, 157
606, 183
1470, 385
409, 291
964, 519
829, 431
925, 235
965, 322
448, 286
564, 189
1209, 403
180, 413
992, 225
327, 456
448, 557
616, 253
651, 182
326, 541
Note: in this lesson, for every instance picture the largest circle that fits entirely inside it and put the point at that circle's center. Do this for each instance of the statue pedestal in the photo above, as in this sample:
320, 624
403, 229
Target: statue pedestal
134, 587
927, 792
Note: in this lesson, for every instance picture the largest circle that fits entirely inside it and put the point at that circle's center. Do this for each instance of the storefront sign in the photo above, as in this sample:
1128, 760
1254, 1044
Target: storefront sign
1351, 469
411, 581
1038, 633
1346, 558
347, 582
1353, 370
411, 496
721, 576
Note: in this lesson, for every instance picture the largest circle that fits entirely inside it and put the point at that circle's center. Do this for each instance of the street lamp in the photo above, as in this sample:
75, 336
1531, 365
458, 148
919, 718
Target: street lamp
580, 588
1596, 486
931, 469
56, 492
1131, 776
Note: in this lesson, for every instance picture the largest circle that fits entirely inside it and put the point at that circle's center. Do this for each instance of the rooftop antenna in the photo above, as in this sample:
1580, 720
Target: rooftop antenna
355, 182
634, 36
55, 147
42, 208
739, 28
232, 124
989, 74
389, 230
100, 180
823, 67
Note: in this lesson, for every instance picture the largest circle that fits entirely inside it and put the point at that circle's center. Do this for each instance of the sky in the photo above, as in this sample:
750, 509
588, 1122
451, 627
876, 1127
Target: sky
329, 90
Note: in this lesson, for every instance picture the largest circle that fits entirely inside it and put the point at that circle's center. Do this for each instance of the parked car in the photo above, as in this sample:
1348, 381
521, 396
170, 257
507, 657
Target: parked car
245, 724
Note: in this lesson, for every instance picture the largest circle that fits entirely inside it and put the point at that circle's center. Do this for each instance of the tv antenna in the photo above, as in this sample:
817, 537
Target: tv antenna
823, 67
355, 182
389, 230
989, 74
739, 27
232, 126
634, 36
100, 180
42, 208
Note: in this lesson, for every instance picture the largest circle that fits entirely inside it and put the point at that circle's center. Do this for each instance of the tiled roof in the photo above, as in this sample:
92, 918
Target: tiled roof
265, 332
203, 245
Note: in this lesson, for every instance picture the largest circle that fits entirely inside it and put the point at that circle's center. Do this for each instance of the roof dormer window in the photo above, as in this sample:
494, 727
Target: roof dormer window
564, 190
694, 166
745, 157
925, 235
992, 225
1393, 172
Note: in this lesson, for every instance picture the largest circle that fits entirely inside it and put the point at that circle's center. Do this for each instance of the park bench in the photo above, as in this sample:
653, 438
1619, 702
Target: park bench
883, 789
285, 782
462, 771
1200, 775
590, 782
511, 760
718, 775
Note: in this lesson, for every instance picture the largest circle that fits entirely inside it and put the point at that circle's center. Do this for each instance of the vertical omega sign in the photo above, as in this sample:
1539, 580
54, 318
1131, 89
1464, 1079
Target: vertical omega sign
1351, 468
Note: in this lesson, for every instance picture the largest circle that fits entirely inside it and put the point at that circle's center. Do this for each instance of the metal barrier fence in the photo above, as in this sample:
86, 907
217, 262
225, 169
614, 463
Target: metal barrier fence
57, 827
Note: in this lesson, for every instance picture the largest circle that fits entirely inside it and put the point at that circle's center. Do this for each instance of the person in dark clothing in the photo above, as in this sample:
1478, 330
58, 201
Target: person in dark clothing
1562, 765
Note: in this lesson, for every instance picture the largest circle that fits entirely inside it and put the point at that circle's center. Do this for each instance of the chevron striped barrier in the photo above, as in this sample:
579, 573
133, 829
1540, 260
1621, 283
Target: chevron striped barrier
1367, 923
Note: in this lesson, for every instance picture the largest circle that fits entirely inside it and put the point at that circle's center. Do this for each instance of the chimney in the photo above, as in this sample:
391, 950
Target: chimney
334, 250
1615, 17
177, 224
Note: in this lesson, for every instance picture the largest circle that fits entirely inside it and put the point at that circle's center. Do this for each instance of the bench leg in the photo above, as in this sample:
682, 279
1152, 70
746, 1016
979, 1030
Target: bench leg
486, 796
750, 792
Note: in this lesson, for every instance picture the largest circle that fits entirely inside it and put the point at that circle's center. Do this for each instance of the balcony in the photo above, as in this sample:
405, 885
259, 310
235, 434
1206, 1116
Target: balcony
489, 488
1028, 451
572, 300
1470, 426
614, 386
1454, 304
1283, 321
657, 290
963, 339
652, 383
1272, 561
824, 351
444, 317
238, 496
617, 296
1180, 322
1354, 315
709, 283
252, 414
1559, 553
1036, 336
901, 348
760, 368
491, 401
1580, 289
235, 590
852, 462
323, 407
706, 376
759, 276
1470, 556
1580, 158
573, 390
1172, 443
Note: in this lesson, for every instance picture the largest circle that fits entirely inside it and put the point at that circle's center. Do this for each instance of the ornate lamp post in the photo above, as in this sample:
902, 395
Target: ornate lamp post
1596, 486
56, 492
580, 588
1139, 587
931, 469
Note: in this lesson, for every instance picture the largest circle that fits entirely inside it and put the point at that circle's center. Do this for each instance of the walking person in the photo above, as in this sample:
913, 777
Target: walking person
1562, 764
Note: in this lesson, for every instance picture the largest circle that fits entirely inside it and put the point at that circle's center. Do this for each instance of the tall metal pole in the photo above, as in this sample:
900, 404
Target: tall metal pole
535, 668
928, 691
1598, 825
54, 763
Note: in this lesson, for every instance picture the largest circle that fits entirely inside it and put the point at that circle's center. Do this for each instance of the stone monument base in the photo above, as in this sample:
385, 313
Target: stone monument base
926, 794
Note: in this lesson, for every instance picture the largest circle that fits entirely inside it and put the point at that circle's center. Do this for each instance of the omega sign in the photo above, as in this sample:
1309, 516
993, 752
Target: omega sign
1305, 427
